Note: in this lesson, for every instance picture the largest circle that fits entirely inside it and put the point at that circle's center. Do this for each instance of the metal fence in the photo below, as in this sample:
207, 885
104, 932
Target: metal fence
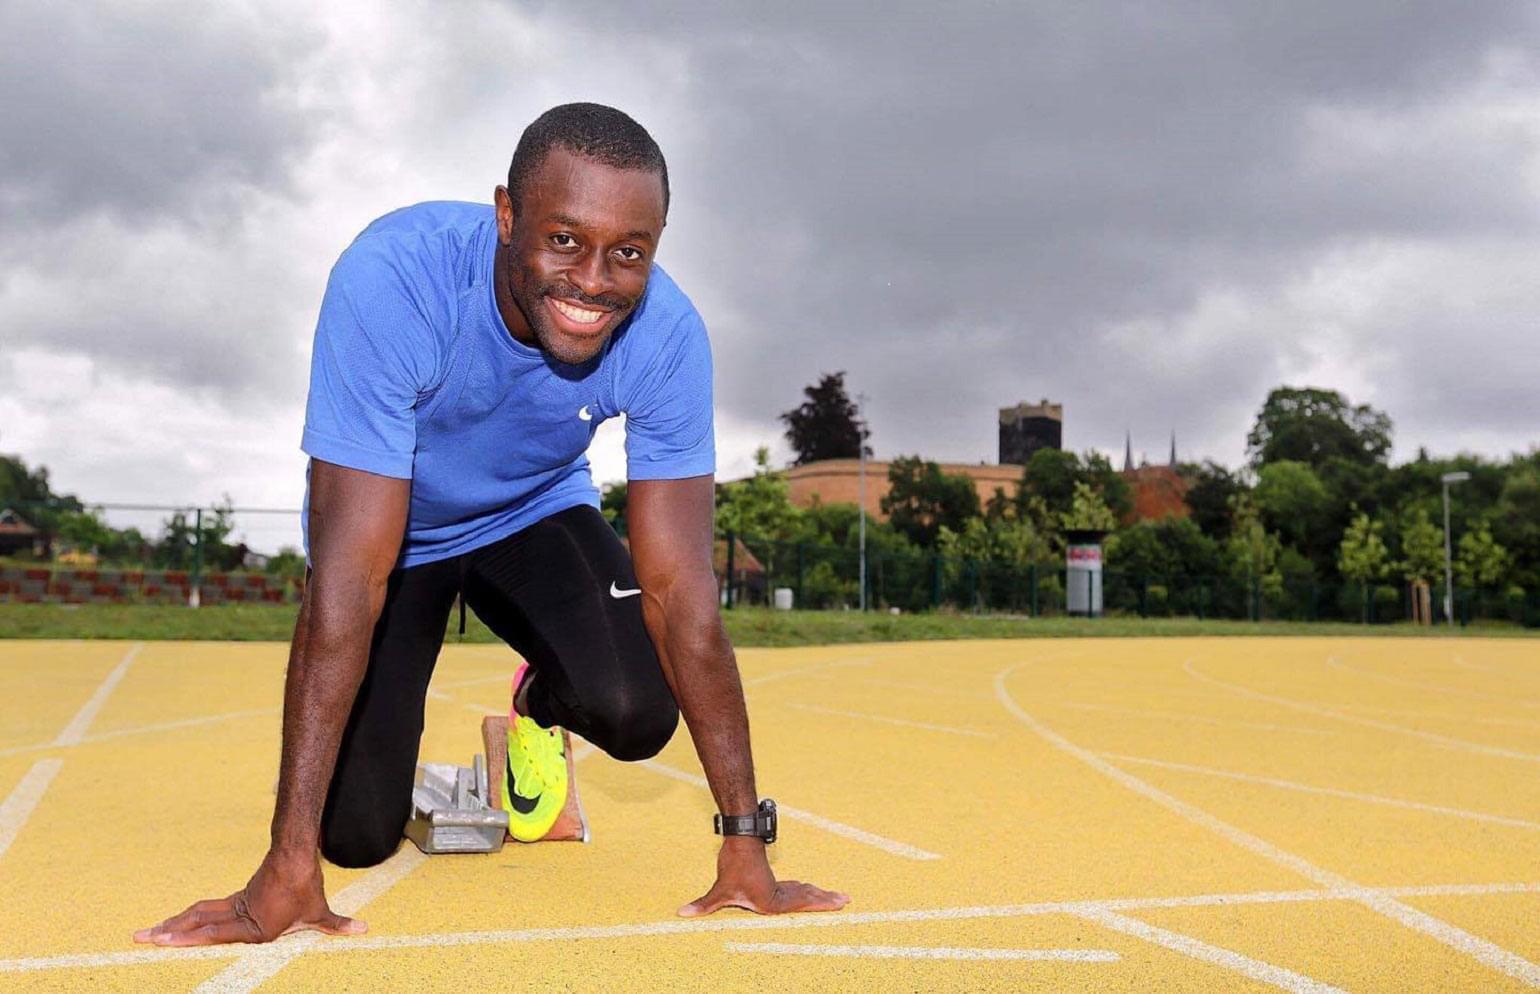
822, 576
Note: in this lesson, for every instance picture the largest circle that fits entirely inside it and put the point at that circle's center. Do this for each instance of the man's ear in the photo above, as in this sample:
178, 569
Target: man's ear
503, 202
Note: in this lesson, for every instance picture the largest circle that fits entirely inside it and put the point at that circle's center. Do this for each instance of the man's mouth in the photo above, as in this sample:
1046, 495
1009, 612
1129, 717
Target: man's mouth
581, 316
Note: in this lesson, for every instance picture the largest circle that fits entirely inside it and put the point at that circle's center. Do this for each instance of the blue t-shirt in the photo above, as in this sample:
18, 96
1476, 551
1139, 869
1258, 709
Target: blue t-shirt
415, 376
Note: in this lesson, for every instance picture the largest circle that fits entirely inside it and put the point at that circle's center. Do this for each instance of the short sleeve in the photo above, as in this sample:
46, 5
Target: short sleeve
669, 431
372, 346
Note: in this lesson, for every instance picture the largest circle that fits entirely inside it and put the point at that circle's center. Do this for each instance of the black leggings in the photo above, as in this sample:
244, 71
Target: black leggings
549, 592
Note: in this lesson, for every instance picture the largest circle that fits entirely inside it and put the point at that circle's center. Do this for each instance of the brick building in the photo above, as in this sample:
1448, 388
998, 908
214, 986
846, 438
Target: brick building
838, 481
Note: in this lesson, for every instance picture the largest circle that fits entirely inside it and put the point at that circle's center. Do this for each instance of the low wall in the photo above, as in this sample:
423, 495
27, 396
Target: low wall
114, 586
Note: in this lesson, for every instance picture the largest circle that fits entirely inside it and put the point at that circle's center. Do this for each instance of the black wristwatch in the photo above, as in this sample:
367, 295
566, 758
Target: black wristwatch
761, 823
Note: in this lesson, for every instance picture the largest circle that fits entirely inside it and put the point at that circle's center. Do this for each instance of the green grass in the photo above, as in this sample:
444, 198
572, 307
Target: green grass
748, 626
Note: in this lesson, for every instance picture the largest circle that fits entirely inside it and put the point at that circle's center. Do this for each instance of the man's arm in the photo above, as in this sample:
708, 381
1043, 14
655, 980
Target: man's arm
357, 520
670, 524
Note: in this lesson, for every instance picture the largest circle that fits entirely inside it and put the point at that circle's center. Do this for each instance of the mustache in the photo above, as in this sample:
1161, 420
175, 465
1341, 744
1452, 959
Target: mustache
604, 301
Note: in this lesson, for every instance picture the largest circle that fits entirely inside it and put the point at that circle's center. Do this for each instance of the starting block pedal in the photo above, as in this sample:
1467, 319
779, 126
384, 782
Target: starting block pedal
451, 812
572, 824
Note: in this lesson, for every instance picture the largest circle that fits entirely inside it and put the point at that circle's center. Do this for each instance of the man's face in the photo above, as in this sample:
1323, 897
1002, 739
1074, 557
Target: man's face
578, 251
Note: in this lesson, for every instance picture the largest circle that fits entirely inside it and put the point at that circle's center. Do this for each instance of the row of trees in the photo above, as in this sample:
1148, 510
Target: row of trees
1317, 501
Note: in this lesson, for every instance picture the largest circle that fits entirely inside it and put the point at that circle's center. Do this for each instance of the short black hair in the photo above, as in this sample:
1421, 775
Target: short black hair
599, 132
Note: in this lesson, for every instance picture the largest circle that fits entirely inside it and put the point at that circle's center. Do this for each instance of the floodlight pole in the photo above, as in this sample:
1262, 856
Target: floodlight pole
861, 498
1447, 479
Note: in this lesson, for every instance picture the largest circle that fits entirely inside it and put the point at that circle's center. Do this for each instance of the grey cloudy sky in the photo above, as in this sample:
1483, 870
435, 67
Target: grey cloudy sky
1150, 212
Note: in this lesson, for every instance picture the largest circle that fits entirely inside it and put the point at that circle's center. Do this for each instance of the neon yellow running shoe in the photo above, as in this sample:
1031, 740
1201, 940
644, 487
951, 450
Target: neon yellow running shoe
535, 783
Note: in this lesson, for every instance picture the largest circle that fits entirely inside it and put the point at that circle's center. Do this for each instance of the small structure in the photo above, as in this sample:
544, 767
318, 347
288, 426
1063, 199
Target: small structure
1083, 572
1026, 428
16, 535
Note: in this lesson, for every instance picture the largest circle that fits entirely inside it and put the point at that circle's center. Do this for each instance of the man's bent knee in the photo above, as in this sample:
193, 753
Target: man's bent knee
359, 848
639, 734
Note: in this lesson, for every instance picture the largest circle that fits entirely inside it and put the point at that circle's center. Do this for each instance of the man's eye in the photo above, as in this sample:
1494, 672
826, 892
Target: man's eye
563, 240
629, 254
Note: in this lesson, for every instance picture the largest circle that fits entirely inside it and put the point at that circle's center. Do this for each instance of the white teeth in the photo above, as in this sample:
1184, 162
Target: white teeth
578, 314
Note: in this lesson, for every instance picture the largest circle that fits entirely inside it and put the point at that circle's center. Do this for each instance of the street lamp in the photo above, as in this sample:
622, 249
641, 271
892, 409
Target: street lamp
1447, 479
861, 499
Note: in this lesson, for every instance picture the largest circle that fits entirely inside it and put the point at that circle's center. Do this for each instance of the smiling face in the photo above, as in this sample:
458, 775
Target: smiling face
574, 256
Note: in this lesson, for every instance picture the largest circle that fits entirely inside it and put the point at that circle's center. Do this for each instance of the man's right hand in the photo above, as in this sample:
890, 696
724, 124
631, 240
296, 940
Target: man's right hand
283, 896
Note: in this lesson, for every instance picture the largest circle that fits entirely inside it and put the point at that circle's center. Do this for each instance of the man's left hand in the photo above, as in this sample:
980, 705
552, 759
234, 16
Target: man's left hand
744, 880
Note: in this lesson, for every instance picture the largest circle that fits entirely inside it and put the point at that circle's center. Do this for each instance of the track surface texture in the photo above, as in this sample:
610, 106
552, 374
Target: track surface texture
1101, 815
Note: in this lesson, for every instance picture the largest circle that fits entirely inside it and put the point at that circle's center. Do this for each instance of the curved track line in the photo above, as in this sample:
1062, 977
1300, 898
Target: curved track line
1432, 688
1305, 788
1483, 951
1441, 740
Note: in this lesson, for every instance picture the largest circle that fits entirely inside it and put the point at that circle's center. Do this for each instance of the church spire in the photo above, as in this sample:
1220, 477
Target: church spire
1128, 452
1173, 448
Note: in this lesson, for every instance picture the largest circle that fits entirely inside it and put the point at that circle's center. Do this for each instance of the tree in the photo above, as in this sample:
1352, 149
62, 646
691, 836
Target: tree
1516, 523
1293, 501
1171, 548
1481, 562
1050, 476
1422, 549
921, 499
1311, 425
1004, 541
1363, 556
1088, 512
1211, 488
1253, 552
827, 425
759, 507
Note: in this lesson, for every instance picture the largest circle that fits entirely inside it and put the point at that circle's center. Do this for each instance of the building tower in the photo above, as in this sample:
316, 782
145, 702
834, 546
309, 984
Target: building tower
1026, 428
1172, 463
1128, 452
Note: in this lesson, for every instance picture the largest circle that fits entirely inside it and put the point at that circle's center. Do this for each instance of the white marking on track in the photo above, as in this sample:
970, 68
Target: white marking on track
1438, 716
257, 965
887, 720
23, 799
1483, 951
1267, 973
977, 695
160, 726
817, 821
76, 729
804, 670
1394, 802
924, 952
675, 926
1440, 740
1433, 688
1198, 718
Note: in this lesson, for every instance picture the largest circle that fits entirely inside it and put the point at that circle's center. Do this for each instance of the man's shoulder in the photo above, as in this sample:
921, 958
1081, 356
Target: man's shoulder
436, 238
662, 312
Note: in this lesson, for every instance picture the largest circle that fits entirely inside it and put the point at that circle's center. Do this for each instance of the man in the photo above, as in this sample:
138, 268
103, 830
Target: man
463, 359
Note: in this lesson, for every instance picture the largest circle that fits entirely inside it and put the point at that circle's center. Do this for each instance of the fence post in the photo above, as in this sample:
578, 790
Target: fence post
801, 548
1256, 598
1144, 593
1202, 598
194, 589
1032, 575
935, 580
731, 543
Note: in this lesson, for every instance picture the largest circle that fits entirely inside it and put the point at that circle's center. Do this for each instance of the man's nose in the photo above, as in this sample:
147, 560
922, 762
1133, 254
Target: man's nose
592, 275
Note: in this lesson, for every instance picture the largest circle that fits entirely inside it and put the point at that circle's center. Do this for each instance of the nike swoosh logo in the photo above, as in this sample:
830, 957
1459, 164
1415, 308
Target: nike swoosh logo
584, 414
618, 594
523, 805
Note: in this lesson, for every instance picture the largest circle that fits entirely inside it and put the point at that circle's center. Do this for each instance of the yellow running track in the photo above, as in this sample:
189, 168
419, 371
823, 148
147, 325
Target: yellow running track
1107, 815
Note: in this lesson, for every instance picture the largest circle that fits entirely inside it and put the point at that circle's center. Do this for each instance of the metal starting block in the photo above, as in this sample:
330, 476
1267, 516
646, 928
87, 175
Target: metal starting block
451, 810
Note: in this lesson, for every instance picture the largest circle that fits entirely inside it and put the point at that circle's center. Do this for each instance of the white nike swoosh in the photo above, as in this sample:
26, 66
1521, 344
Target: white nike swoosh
583, 413
617, 593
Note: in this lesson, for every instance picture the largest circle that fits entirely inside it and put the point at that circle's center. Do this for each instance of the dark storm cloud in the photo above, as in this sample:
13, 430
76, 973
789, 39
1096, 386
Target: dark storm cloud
143, 110
960, 204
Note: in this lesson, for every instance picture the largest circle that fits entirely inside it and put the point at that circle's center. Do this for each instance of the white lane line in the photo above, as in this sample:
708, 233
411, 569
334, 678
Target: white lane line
676, 926
23, 799
160, 726
1440, 740
76, 729
1430, 687
259, 964
924, 952
1465, 664
1197, 718
977, 695
1267, 973
817, 821
1394, 802
885, 719
1483, 951
804, 670
1462, 719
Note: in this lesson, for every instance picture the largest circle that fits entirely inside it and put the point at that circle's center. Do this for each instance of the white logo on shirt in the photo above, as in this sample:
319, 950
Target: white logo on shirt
584, 414
618, 594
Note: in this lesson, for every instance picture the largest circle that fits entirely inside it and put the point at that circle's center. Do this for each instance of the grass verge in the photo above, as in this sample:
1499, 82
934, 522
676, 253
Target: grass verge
747, 626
